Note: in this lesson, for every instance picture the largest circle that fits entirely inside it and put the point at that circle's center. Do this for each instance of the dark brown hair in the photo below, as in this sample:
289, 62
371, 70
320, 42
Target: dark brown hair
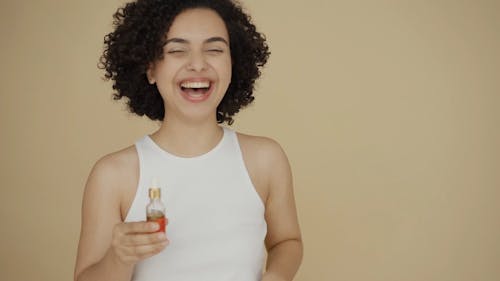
138, 40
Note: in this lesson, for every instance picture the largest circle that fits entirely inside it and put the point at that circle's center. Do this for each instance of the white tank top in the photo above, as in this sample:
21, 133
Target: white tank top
216, 218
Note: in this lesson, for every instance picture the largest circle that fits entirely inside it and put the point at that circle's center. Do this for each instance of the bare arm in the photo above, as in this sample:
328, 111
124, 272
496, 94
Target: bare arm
108, 248
283, 241
271, 175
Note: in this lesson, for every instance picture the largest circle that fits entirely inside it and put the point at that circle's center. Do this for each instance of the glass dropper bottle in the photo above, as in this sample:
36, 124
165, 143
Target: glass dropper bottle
155, 210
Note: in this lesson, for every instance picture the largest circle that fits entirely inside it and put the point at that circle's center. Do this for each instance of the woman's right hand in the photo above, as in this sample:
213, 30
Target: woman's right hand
134, 241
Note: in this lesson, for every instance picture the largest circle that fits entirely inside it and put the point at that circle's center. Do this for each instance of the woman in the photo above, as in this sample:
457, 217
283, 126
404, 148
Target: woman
191, 65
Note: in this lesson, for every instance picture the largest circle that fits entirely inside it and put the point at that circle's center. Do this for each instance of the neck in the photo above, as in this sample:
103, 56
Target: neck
188, 139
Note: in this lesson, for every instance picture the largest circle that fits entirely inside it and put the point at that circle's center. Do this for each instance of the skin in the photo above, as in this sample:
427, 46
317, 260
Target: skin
109, 248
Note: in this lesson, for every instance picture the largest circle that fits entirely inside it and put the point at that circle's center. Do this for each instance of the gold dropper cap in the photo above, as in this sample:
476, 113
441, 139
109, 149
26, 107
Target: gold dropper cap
154, 190
154, 193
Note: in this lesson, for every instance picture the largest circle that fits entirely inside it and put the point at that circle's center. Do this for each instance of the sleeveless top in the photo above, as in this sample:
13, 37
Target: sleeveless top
216, 219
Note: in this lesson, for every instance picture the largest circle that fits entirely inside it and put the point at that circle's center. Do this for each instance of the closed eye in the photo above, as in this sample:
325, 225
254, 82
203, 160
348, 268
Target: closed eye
175, 51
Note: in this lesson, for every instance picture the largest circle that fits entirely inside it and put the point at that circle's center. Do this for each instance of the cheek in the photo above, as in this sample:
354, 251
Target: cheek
225, 69
165, 75
228, 72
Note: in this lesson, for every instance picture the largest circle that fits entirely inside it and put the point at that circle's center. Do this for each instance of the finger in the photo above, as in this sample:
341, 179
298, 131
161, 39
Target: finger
140, 227
144, 239
143, 251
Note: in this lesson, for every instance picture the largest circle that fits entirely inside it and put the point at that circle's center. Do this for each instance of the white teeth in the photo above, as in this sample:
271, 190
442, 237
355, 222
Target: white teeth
196, 85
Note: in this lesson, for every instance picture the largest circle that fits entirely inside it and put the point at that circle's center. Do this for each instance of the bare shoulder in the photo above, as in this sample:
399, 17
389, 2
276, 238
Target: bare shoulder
117, 165
266, 163
118, 160
116, 173
266, 149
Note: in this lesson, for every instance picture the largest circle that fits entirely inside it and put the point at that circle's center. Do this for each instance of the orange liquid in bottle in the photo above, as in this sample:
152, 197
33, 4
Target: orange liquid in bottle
159, 218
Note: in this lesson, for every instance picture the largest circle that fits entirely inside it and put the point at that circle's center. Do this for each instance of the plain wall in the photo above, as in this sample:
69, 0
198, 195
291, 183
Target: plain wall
389, 112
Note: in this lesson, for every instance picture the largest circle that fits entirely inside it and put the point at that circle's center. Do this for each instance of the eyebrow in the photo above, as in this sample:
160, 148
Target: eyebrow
209, 40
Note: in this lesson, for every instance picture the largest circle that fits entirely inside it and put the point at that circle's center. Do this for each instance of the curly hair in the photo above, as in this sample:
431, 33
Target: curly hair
138, 40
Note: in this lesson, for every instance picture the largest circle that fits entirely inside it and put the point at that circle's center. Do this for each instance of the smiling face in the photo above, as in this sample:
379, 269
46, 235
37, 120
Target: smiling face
195, 71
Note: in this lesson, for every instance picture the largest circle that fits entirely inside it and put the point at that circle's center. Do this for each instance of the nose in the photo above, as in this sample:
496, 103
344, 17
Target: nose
197, 62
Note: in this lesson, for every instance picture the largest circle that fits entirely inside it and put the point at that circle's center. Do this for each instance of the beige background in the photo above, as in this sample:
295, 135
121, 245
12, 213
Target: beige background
389, 112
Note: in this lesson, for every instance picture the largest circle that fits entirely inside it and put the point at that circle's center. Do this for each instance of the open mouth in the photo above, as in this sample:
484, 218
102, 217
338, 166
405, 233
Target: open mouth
196, 90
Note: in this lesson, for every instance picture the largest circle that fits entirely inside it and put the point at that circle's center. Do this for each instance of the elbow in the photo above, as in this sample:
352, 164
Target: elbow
292, 244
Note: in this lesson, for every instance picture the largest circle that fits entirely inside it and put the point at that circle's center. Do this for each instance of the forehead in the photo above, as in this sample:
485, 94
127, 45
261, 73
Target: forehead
197, 23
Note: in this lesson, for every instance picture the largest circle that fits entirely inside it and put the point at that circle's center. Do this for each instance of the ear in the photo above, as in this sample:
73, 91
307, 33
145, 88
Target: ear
150, 74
